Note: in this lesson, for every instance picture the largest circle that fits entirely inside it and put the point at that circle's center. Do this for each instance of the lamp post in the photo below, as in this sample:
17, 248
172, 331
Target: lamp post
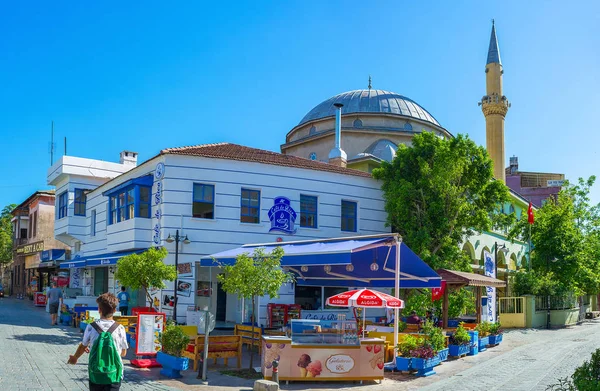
504, 250
176, 239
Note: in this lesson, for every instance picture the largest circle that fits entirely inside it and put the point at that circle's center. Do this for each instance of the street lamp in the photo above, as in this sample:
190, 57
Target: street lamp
176, 239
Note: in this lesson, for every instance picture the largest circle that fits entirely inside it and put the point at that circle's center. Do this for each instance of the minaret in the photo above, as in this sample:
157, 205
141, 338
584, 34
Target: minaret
494, 106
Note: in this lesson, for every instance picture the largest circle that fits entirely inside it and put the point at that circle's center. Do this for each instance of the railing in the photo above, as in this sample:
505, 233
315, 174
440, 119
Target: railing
512, 305
19, 242
556, 302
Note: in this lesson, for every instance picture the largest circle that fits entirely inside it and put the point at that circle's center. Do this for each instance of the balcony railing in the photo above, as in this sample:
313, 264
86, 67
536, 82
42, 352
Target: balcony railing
19, 242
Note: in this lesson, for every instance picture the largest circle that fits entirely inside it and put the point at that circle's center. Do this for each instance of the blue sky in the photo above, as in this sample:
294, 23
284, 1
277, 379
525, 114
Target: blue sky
149, 75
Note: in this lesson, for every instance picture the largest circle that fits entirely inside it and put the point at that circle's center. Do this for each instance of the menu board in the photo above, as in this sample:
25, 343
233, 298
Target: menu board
150, 326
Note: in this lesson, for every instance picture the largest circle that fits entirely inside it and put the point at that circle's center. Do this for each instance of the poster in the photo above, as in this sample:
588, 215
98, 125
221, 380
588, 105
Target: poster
185, 269
75, 281
184, 288
490, 271
150, 326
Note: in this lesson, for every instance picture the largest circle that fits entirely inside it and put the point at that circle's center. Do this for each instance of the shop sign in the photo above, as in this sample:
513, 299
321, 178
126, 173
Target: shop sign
282, 216
490, 271
149, 332
31, 248
340, 363
321, 315
104, 261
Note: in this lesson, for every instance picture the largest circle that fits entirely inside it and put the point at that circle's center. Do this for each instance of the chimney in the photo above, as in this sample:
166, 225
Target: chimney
128, 158
514, 165
337, 156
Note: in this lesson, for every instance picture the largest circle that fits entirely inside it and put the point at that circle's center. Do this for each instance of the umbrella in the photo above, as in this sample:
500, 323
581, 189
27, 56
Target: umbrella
366, 298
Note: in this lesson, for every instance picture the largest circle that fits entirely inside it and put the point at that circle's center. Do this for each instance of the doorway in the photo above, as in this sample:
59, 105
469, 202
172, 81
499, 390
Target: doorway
100, 280
221, 314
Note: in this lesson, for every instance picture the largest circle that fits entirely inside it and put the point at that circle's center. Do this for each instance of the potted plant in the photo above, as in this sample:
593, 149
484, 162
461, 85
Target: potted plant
460, 342
410, 343
495, 334
436, 339
423, 359
483, 329
174, 341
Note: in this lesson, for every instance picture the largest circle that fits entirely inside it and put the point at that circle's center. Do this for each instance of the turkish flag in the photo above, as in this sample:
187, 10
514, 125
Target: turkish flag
530, 213
438, 293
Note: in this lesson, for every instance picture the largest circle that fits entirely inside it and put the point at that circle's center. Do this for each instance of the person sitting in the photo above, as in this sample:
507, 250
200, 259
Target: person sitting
413, 318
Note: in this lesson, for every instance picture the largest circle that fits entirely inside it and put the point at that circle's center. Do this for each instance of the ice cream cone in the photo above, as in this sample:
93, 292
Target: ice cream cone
302, 372
309, 374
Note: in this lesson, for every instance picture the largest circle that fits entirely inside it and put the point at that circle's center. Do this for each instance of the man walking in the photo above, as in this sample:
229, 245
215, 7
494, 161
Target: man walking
123, 297
54, 296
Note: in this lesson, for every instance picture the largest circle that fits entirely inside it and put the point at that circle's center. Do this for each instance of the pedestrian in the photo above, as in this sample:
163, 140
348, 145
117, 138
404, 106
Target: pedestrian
54, 297
123, 297
105, 340
413, 318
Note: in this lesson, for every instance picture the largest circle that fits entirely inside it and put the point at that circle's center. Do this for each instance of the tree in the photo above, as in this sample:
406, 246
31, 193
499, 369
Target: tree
145, 270
6, 234
253, 276
438, 192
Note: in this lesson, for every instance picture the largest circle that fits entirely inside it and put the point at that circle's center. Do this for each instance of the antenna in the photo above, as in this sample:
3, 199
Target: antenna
65, 146
52, 145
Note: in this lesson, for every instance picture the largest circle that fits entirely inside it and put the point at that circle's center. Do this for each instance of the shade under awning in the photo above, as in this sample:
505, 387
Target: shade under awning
368, 261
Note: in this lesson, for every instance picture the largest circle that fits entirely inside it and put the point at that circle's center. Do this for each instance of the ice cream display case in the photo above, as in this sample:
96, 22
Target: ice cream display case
319, 350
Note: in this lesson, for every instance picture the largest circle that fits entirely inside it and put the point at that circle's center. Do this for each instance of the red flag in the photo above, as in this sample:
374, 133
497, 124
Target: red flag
530, 213
438, 293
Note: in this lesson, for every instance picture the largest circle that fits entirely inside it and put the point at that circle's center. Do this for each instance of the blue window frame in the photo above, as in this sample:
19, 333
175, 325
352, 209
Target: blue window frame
63, 204
79, 202
349, 216
250, 206
130, 202
203, 201
308, 211
93, 224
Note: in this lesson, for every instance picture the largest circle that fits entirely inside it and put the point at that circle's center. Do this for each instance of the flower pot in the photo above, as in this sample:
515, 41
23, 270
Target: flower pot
423, 366
483, 343
458, 350
172, 365
403, 363
443, 355
453, 323
495, 339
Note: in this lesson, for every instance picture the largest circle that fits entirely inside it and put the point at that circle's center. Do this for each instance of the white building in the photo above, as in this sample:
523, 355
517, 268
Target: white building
217, 195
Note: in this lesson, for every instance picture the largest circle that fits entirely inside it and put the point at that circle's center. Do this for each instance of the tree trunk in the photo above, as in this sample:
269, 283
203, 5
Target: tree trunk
252, 318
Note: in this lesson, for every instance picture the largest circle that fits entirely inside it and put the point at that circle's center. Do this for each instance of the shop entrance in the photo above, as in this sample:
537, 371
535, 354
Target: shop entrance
100, 281
221, 303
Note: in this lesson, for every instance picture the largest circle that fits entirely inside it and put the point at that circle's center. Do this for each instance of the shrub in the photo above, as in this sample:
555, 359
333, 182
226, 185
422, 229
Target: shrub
409, 344
495, 329
174, 340
585, 378
401, 326
435, 335
425, 352
460, 336
484, 329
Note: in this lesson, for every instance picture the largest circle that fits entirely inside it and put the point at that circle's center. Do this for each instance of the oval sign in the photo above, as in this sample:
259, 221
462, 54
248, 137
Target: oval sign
340, 363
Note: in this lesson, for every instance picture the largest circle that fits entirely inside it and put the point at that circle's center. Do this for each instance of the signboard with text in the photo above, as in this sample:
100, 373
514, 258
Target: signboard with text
150, 326
490, 271
30, 248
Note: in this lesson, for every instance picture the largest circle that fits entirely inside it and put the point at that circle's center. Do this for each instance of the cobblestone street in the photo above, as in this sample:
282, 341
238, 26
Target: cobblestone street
33, 357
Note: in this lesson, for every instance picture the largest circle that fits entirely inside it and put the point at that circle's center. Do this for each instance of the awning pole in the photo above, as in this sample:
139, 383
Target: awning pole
397, 293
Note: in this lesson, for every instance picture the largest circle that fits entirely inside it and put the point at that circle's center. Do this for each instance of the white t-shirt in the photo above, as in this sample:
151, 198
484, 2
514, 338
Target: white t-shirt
90, 335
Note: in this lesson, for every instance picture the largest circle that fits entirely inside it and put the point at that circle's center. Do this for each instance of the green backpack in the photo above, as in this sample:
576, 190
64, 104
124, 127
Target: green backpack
105, 366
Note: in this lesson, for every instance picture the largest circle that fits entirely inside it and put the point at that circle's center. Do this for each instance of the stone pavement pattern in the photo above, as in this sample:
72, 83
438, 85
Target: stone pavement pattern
33, 357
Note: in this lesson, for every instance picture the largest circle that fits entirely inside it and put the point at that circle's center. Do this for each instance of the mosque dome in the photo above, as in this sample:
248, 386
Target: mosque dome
370, 101
382, 149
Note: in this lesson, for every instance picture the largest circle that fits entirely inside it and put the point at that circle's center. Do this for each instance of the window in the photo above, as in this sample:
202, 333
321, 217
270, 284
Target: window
63, 203
203, 201
79, 202
23, 233
93, 224
308, 211
250, 212
144, 209
133, 201
348, 216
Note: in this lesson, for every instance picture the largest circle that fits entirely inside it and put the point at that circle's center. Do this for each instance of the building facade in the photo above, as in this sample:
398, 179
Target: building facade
535, 186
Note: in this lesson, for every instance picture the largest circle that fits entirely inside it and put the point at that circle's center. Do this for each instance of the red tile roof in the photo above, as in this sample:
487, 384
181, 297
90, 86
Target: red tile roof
238, 152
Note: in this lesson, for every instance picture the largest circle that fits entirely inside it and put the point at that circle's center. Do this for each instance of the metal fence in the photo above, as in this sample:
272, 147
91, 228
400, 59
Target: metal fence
556, 302
512, 305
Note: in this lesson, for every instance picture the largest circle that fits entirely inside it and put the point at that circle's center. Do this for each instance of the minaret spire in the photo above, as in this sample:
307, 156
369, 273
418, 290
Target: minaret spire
370, 82
494, 50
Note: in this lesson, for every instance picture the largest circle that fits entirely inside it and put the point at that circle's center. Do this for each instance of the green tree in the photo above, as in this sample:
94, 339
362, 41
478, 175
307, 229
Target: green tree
6, 234
145, 270
437, 193
253, 276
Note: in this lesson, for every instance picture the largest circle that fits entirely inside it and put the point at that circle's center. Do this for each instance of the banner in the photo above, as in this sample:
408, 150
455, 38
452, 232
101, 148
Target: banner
490, 271
438, 293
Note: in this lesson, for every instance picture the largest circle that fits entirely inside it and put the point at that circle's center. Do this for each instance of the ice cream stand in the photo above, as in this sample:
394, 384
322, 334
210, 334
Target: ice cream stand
318, 350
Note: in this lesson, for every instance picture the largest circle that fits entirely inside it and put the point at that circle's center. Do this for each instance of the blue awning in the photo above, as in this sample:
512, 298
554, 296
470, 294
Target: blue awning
146, 180
72, 264
97, 260
357, 262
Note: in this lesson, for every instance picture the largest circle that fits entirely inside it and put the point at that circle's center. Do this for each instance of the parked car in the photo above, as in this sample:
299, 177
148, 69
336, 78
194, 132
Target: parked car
1, 291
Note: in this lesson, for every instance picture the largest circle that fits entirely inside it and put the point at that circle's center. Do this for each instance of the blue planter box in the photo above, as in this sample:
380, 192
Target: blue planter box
425, 367
495, 339
458, 350
474, 348
443, 355
483, 343
172, 365
83, 326
403, 363
66, 319
453, 323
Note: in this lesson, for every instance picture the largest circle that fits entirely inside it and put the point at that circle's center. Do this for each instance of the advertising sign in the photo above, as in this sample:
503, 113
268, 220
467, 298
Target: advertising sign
39, 299
31, 248
149, 329
282, 216
490, 271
